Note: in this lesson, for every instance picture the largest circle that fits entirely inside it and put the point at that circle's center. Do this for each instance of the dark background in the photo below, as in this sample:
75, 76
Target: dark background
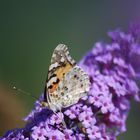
30, 30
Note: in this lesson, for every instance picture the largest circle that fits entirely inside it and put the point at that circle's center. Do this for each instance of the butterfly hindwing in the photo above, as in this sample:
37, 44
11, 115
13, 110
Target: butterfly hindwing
76, 86
73, 86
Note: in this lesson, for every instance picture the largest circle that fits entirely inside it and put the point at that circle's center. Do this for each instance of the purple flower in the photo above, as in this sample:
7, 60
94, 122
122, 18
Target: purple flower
100, 115
73, 111
86, 117
55, 135
56, 119
94, 133
39, 133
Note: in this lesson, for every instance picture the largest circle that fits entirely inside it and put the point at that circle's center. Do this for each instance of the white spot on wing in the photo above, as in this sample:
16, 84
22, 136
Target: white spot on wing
53, 79
53, 66
62, 59
60, 47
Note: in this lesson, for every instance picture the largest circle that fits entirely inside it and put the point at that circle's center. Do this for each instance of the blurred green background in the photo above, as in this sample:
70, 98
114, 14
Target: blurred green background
30, 30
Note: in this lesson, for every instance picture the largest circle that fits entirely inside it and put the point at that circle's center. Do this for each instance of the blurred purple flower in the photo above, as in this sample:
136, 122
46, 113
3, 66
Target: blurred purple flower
101, 115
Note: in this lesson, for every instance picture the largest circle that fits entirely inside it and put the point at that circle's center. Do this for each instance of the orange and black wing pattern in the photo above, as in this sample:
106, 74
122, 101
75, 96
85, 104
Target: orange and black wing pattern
61, 63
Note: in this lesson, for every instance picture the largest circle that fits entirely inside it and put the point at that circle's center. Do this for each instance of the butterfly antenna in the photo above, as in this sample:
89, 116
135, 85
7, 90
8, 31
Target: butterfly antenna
24, 92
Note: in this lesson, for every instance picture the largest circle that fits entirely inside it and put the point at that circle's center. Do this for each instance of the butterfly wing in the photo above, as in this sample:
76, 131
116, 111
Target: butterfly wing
73, 86
76, 86
61, 63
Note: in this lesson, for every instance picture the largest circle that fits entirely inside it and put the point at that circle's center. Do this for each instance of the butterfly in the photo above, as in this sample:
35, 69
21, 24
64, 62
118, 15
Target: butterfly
66, 82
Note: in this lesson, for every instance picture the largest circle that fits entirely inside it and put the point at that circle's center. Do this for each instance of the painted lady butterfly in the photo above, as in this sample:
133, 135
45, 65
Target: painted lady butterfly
66, 82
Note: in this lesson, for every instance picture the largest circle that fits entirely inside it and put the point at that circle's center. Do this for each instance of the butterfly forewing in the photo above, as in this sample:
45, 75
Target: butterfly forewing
61, 63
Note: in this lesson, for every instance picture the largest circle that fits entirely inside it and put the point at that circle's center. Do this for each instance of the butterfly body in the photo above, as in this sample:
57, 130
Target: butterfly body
66, 82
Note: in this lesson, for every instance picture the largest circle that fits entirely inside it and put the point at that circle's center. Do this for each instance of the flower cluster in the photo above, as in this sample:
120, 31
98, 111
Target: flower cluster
101, 115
